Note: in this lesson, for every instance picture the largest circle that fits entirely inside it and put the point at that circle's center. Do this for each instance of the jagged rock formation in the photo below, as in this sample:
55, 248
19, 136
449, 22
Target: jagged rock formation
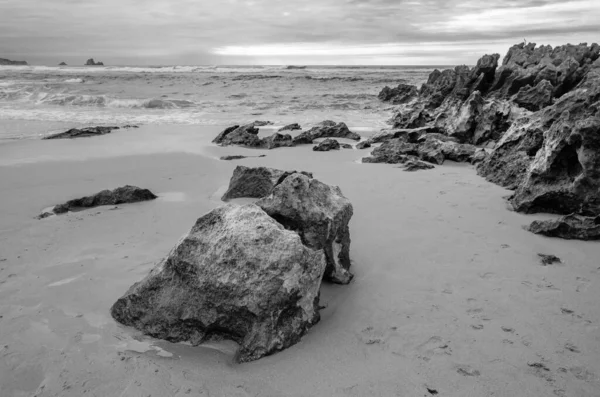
246, 135
539, 113
4, 61
326, 129
237, 157
255, 182
320, 214
62, 64
277, 140
90, 62
120, 195
569, 227
238, 275
363, 145
327, 145
413, 164
84, 132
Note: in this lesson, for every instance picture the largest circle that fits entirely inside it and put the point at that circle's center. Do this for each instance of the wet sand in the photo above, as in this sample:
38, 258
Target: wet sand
449, 293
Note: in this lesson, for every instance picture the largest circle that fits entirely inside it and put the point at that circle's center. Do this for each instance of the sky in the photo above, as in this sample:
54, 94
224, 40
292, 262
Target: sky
286, 32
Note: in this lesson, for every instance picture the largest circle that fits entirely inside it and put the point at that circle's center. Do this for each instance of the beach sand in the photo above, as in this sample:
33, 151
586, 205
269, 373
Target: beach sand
449, 294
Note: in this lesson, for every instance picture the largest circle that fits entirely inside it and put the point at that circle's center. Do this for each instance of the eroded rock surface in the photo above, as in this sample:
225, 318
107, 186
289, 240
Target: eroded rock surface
331, 129
120, 195
290, 127
82, 132
569, 227
320, 214
327, 145
238, 275
401, 94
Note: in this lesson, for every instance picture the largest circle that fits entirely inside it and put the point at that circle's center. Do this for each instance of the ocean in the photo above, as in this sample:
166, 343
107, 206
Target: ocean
55, 98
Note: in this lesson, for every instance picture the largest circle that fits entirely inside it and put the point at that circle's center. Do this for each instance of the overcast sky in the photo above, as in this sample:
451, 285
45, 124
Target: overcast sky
429, 32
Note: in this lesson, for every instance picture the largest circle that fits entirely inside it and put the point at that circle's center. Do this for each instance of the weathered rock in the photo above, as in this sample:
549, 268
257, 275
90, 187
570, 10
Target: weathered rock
120, 195
394, 151
572, 226
363, 145
345, 146
479, 156
459, 152
416, 165
246, 135
549, 259
82, 133
277, 140
259, 123
62, 64
320, 214
255, 182
432, 150
564, 176
461, 118
4, 61
238, 275
304, 138
238, 157
535, 98
401, 94
90, 62
329, 129
327, 145
290, 127
386, 135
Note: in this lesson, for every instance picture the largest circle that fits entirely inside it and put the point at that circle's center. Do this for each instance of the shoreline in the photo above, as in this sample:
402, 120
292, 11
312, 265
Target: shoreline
436, 254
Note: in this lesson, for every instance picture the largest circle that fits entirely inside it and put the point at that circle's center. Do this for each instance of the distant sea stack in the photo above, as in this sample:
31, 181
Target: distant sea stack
90, 62
9, 62
62, 64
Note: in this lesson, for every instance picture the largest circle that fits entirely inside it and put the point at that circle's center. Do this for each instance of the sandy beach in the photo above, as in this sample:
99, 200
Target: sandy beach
449, 296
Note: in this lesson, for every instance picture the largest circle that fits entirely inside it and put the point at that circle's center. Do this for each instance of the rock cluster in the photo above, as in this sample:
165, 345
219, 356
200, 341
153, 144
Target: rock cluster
249, 273
569, 227
255, 182
120, 195
327, 145
90, 62
247, 135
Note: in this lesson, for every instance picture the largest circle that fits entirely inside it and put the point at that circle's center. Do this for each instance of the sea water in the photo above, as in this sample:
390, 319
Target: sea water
59, 97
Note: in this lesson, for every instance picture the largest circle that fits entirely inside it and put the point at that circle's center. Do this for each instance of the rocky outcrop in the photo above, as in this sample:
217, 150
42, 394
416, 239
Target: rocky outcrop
539, 113
90, 62
401, 94
363, 145
327, 145
121, 195
552, 157
290, 127
4, 61
304, 138
255, 182
82, 133
62, 64
238, 275
261, 123
320, 214
411, 134
569, 227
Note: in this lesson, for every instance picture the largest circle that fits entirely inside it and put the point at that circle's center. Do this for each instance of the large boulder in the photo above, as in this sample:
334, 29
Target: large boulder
327, 145
255, 182
238, 275
571, 227
90, 62
304, 138
320, 214
120, 195
394, 151
82, 132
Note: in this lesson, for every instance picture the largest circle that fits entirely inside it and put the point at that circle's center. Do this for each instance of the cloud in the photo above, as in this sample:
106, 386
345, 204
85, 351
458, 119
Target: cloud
292, 31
